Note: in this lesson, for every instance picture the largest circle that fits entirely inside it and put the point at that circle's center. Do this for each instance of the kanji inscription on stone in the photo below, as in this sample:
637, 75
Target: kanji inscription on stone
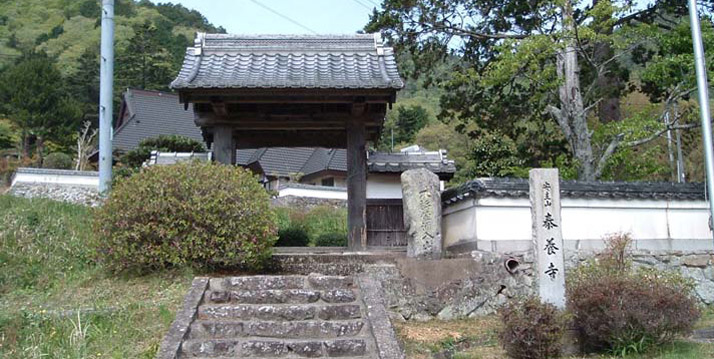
547, 236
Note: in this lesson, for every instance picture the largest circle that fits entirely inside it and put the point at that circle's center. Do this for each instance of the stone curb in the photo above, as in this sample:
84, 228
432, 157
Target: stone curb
382, 330
171, 344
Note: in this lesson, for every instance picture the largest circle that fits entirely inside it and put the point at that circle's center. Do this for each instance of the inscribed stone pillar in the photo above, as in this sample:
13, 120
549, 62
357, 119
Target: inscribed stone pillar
224, 146
422, 213
547, 235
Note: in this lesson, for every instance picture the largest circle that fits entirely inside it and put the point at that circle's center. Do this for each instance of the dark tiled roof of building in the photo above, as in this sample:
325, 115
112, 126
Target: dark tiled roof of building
284, 161
150, 114
399, 162
357, 61
518, 188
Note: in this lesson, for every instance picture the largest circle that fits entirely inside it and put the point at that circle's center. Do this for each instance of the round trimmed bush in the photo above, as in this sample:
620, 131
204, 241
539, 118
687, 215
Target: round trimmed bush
191, 213
531, 329
331, 240
293, 236
58, 160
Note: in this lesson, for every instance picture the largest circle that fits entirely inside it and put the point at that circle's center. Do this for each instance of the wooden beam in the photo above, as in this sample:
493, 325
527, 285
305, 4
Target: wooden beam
318, 138
219, 108
224, 145
211, 119
356, 185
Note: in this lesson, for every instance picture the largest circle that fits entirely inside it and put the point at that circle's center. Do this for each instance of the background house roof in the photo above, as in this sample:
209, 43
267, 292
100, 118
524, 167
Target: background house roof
284, 161
148, 114
435, 161
357, 61
518, 187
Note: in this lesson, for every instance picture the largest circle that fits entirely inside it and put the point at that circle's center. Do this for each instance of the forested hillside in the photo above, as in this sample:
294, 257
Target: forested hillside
49, 64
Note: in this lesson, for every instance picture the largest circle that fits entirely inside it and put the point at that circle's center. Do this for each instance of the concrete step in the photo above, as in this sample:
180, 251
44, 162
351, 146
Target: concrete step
274, 348
279, 312
280, 296
271, 329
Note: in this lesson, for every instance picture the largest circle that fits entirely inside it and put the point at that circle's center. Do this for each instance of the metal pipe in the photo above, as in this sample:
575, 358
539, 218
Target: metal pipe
703, 100
106, 85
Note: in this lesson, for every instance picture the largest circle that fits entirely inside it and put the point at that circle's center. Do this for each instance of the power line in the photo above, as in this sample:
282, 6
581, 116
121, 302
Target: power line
375, 4
283, 16
362, 4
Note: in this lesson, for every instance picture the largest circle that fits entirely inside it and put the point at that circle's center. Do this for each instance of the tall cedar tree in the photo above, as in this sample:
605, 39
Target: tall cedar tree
34, 98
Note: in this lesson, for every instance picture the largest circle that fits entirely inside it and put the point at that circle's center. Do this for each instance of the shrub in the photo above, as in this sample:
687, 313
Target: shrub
531, 329
293, 236
169, 143
331, 240
190, 213
58, 160
325, 219
618, 309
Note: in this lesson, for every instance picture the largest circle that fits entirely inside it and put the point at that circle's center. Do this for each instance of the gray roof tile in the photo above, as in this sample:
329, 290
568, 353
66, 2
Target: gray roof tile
153, 113
357, 61
518, 187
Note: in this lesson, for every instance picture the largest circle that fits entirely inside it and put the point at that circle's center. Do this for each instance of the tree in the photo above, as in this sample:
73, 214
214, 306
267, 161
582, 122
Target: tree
525, 64
146, 63
35, 100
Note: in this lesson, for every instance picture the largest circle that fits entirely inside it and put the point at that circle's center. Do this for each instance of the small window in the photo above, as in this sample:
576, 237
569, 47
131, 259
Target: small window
329, 182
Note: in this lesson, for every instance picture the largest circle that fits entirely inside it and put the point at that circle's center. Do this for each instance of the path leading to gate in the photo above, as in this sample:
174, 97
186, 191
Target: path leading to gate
291, 316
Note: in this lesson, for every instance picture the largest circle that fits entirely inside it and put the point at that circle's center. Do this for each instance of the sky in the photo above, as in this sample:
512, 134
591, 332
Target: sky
298, 16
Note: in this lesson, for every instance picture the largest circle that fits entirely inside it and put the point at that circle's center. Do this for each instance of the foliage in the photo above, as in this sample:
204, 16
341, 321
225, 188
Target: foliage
531, 329
331, 240
293, 236
34, 100
146, 62
46, 277
315, 222
494, 155
509, 74
622, 310
188, 214
165, 143
7, 135
58, 160
403, 123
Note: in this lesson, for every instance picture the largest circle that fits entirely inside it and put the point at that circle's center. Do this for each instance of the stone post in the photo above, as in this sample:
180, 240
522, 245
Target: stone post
422, 213
547, 236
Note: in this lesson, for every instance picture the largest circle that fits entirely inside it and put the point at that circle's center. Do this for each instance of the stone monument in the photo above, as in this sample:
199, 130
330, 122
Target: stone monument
547, 236
421, 199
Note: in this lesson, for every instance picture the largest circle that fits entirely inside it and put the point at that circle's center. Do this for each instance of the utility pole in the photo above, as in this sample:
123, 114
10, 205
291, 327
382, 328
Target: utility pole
106, 84
703, 101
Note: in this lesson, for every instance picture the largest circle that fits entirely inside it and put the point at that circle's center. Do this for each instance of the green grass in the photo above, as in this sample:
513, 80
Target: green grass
317, 221
56, 302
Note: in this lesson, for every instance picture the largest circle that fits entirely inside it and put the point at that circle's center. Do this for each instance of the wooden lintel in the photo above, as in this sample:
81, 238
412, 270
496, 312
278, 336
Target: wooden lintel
210, 118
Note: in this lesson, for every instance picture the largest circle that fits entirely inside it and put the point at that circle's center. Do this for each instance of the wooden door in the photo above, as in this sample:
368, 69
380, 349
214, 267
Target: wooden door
385, 223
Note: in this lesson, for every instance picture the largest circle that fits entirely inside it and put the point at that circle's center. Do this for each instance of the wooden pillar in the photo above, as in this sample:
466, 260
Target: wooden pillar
224, 146
356, 185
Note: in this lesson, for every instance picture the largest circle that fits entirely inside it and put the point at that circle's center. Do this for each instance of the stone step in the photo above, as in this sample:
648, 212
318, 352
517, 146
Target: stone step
266, 282
278, 312
280, 296
274, 348
268, 329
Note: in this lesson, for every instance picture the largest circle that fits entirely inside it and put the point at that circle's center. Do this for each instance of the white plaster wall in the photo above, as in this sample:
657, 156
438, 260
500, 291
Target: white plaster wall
504, 224
380, 185
314, 193
75, 180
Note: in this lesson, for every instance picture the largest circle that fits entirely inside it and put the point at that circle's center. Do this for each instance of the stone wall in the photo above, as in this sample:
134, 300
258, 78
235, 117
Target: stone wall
84, 195
478, 283
307, 203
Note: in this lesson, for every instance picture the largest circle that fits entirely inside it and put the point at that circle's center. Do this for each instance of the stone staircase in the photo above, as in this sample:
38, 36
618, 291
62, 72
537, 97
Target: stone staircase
290, 316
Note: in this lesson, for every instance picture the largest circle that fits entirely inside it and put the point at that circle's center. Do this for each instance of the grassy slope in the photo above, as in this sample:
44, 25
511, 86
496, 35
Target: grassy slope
56, 303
